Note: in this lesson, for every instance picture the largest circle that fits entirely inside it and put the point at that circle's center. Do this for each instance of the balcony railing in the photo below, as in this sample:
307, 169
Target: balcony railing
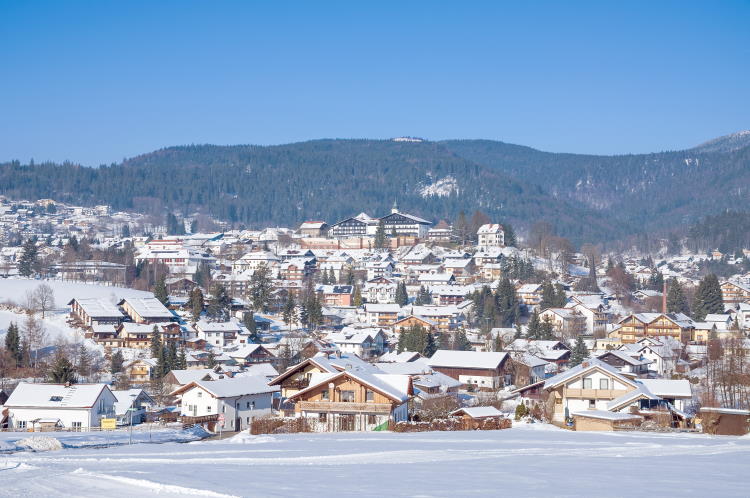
594, 393
339, 407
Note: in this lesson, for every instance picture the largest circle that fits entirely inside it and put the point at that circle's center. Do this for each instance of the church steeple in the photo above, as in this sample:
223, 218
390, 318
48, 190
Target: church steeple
394, 209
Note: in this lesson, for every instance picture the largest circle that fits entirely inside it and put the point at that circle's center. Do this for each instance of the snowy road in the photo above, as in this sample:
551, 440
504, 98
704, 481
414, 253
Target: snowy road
523, 461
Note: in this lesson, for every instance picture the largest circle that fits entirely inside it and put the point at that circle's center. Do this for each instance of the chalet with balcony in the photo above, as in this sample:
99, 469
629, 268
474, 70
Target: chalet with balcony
734, 293
639, 325
483, 370
147, 310
381, 315
335, 295
297, 377
93, 311
354, 400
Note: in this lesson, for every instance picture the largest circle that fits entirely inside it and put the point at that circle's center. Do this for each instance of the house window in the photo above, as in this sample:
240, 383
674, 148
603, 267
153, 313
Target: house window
200, 394
592, 404
208, 408
76, 426
322, 417
347, 396
324, 394
21, 424
370, 396
588, 383
371, 420
603, 383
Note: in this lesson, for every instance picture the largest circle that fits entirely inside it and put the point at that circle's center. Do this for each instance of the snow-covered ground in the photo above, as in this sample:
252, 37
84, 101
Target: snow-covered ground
14, 289
532, 460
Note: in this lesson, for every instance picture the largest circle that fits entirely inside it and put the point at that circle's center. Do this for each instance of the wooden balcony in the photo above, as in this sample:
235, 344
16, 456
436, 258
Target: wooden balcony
339, 407
594, 393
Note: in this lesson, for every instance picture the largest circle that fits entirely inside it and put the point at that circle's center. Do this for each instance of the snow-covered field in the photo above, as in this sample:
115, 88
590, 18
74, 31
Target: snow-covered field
14, 289
531, 460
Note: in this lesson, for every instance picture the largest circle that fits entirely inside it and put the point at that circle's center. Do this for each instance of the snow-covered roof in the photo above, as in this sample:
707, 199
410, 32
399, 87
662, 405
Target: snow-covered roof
587, 365
193, 374
55, 395
478, 411
148, 307
725, 411
605, 415
669, 388
98, 308
466, 359
394, 386
231, 387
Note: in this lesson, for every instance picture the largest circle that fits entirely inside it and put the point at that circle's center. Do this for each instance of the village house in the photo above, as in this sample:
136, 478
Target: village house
554, 352
254, 260
529, 294
405, 224
140, 371
482, 370
523, 369
625, 362
335, 295
381, 315
93, 311
636, 326
314, 228
734, 293
238, 400
66, 406
566, 322
490, 235
218, 334
131, 406
354, 400
247, 354
414, 321
364, 342
297, 377
380, 290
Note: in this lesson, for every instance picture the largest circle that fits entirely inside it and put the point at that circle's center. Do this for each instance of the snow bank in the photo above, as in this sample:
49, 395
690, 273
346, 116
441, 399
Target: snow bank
39, 443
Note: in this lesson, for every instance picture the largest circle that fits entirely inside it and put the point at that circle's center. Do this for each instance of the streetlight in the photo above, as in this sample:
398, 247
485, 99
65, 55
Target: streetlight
134, 396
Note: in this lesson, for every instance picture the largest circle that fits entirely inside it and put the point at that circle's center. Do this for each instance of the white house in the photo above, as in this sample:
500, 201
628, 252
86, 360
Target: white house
365, 343
491, 235
218, 334
76, 406
239, 400
131, 400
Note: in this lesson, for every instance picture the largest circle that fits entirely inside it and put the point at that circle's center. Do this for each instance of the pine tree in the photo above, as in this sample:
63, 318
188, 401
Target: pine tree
196, 303
181, 360
13, 344
533, 331
160, 290
249, 321
357, 299
461, 342
28, 262
289, 312
116, 362
546, 330
708, 298
211, 359
84, 362
380, 238
431, 345
402, 298
156, 346
171, 357
260, 288
676, 300
579, 353
220, 304
509, 235
62, 371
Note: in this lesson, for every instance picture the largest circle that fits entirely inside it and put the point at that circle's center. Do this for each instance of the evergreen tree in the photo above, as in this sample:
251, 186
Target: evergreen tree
461, 228
509, 235
160, 290
220, 303
461, 343
196, 303
508, 308
126, 231
546, 330
533, 330
431, 345
211, 359
380, 238
402, 298
62, 371
423, 297
27, 264
314, 311
708, 298
156, 346
181, 360
519, 331
579, 353
289, 312
171, 357
676, 300
116, 362
357, 299
84, 362
251, 326
13, 344
260, 288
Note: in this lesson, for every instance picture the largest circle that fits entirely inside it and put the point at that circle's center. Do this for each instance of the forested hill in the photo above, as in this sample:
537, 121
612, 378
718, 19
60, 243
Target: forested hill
322, 179
659, 190
587, 198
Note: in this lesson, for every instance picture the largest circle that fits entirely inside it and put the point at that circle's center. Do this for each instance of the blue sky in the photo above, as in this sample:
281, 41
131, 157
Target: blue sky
94, 82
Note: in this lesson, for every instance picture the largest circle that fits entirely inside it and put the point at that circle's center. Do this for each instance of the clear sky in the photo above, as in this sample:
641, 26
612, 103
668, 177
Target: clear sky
93, 82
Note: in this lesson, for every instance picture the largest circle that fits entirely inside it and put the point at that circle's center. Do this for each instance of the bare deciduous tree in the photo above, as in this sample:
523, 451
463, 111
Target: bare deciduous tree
44, 298
35, 336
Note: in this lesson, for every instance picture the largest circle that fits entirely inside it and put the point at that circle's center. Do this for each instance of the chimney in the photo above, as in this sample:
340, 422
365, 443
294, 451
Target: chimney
664, 299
